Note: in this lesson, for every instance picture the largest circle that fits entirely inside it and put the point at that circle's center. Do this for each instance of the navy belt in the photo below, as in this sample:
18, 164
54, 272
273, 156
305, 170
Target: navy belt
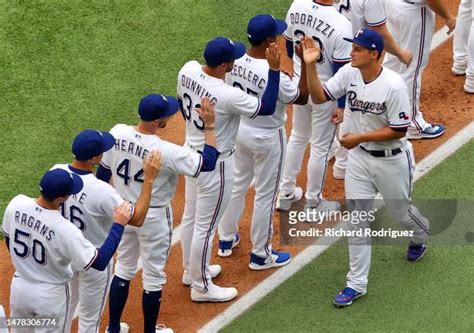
382, 153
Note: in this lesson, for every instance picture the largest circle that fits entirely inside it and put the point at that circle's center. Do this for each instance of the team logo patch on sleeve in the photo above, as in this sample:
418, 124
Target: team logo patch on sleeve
403, 115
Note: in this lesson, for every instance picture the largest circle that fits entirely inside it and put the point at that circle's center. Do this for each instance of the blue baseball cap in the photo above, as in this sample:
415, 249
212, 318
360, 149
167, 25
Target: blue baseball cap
264, 26
156, 106
60, 183
221, 50
369, 39
90, 143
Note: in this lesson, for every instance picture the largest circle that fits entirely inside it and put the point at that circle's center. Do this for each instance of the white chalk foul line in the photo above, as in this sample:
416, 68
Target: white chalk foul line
322, 244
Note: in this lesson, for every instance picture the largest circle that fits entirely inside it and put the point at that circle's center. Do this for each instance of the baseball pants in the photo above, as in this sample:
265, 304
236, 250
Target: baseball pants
392, 177
311, 124
341, 152
40, 300
412, 26
259, 153
206, 198
463, 44
151, 242
89, 291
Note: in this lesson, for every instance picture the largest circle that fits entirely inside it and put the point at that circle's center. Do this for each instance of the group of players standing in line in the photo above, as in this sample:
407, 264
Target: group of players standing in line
234, 107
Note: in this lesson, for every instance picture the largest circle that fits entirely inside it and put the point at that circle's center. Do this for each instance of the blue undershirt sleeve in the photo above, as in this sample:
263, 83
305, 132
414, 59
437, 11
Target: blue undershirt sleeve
270, 95
209, 157
341, 101
289, 48
107, 250
103, 173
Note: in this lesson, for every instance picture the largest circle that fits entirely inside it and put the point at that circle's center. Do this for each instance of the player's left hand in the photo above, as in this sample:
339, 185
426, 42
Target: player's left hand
450, 22
349, 140
337, 116
311, 51
151, 165
273, 55
206, 112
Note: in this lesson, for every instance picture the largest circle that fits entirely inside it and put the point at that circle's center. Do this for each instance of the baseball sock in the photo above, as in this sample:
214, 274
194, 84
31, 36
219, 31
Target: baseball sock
117, 299
151, 306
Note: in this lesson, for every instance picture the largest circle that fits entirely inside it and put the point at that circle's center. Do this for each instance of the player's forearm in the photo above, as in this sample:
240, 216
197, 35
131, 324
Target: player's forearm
303, 88
107, 250
383, 134
142, 204
439, 8
315, 87
391, 45
210, 136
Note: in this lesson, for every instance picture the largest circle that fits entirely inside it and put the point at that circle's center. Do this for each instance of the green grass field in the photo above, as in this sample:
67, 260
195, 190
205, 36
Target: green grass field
433, 295
70, 65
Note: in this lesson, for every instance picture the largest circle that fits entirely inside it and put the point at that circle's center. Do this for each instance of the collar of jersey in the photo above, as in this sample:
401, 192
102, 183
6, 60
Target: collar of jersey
79, 171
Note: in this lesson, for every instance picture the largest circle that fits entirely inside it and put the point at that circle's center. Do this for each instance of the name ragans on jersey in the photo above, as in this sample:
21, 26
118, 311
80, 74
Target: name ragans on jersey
326, 26
380, 103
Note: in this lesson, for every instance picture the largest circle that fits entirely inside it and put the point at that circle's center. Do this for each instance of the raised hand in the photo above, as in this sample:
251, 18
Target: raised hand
273, 55
311, 51
151, 165
123, 213
206, 112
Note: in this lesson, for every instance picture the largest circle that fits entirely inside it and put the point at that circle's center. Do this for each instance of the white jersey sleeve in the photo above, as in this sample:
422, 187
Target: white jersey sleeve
181, 160
81, 252
398, 108
336, 86
6, 221
106, 161
111, 199
374, 12
289, 90
288, 33
240, 103
342, 48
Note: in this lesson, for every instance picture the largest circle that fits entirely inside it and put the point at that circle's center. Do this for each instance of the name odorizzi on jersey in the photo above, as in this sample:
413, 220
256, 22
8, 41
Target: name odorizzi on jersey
312, 22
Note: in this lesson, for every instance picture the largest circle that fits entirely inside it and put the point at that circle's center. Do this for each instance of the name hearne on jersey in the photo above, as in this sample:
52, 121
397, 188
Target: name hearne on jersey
34, 224
312, 22
131, 148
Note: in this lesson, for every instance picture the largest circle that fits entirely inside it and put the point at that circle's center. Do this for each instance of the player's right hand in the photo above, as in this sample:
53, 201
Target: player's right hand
123, 213
273, 55
206, 112
311, 51
337, 116
151, 165
406, 57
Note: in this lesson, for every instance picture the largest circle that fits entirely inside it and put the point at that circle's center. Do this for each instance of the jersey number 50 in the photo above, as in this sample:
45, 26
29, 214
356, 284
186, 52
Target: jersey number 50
22, 249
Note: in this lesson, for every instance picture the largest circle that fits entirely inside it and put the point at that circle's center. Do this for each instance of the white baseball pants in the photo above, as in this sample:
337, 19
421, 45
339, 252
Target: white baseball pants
412, 27
341, 152
464, 41
151, 242
392, 177
40, 300
206, 198
89, 291
311, 124
259, 153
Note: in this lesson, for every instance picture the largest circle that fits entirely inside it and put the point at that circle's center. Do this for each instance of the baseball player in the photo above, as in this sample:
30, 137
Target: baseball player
343, 7
152, 241
260, 147
380, 159
463, 45
312, 123
46, 249
91, 210
207, 196
367, 14
412, 22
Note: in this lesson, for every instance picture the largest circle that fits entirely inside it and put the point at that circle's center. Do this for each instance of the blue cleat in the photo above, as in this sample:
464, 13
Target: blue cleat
276, 259
346, 297
225, 247
415, 252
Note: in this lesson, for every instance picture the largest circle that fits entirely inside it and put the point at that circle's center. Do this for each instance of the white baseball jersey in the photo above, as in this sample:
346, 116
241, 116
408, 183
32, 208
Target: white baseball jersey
230, 103
343, 7
44, 246
380, 103
366, 14
327, 27
92, 209
125, 160
251, 75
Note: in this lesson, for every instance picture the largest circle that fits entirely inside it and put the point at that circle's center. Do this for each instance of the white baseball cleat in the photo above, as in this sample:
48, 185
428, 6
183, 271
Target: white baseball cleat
214, 270
459, 69
213, 294
123, 328
469, 88
284, 201
160, 328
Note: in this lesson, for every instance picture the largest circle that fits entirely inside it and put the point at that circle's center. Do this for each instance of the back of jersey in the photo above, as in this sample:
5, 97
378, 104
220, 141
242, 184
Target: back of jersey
229, 104
367, 14
251, 75
326, 26
91, 210
44, 246
125, 161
